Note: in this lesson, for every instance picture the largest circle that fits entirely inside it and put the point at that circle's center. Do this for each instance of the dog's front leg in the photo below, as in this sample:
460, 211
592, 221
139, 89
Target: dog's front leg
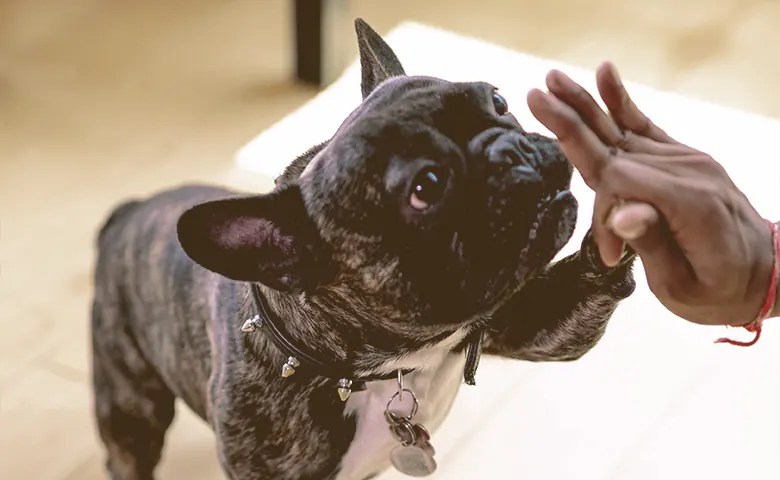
561, 314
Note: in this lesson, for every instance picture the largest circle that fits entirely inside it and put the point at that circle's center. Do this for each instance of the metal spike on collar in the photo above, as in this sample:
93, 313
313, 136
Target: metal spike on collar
252, 324
345, 389
289, 368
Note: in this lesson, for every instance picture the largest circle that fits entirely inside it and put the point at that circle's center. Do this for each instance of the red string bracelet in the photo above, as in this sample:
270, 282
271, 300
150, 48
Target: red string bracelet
771, 297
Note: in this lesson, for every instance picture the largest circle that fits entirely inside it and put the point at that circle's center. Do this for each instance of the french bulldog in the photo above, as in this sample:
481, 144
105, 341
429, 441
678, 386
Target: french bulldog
382, 262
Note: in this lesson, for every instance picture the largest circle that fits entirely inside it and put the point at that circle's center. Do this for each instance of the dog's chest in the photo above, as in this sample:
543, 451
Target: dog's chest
435, 388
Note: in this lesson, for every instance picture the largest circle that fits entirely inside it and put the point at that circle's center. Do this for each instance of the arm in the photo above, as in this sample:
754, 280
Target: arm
562, 313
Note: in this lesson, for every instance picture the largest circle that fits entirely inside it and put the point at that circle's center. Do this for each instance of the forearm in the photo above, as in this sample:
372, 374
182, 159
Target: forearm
561, 314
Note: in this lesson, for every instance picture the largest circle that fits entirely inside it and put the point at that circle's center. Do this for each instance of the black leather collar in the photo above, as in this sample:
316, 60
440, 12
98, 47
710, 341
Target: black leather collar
344, 375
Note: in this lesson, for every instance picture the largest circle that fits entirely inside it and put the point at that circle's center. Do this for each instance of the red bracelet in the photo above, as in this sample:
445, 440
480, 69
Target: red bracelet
771, 297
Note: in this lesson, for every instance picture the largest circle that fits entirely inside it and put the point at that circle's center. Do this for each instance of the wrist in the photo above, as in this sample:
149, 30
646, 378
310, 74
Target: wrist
764, 302
769, 308
776, 309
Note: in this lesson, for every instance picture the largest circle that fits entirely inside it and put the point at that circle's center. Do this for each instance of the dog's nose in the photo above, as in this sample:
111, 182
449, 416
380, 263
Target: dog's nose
526, 174
508, 149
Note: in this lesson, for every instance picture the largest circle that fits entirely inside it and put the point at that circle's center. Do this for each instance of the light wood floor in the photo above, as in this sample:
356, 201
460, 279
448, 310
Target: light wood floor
101, 99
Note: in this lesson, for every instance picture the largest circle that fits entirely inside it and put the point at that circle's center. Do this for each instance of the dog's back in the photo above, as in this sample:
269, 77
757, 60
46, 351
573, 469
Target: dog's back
150, 319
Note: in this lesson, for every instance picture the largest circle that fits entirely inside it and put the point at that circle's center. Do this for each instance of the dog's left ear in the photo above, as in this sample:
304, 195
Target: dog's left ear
377, 60
268, 239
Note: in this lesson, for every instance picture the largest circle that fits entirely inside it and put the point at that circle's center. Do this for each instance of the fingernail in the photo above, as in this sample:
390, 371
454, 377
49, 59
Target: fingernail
610, 262
552, 78
625, 226
624, 98
613, 70
630, 231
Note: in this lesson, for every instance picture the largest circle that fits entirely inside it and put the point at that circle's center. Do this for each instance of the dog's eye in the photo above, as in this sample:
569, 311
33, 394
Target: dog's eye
499, 103
428, 188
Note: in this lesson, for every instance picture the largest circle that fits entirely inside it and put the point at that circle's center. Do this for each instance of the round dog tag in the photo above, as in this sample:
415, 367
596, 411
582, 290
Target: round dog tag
421, 432
413, 461
404, 432
424, 439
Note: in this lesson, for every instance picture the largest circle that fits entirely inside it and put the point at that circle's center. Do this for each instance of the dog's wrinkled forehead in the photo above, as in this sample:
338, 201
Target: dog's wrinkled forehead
404, 115
420, 96
456, 109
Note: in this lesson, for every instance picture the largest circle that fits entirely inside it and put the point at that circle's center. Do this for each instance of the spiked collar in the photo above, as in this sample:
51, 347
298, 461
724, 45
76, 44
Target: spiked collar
346, 380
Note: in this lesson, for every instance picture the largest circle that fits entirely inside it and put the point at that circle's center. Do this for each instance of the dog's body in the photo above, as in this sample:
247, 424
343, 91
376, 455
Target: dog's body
351, 278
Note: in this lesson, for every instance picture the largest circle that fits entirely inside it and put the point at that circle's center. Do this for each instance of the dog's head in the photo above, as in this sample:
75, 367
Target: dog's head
429, 206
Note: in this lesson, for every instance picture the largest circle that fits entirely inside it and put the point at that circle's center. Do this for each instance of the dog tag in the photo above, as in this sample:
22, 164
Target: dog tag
413, 460
414, 457
421, 433
404, 432
423, 439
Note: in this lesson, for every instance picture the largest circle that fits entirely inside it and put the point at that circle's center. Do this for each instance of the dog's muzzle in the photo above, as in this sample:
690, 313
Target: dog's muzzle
508, 151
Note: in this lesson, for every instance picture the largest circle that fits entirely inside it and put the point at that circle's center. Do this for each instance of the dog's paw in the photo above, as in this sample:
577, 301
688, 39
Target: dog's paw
617, 281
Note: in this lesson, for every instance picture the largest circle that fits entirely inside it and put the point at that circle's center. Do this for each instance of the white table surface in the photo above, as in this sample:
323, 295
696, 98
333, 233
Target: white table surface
656, 399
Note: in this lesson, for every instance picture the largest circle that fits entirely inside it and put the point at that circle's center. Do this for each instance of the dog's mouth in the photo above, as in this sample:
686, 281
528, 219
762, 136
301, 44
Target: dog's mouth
553, 208
550, 229
557, 194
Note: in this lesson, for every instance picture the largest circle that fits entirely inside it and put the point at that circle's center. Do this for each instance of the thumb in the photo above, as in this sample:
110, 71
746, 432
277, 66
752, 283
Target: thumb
641, 226
632, 221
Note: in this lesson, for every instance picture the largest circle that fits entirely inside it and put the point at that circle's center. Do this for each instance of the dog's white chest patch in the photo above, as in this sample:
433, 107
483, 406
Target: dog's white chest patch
435, 386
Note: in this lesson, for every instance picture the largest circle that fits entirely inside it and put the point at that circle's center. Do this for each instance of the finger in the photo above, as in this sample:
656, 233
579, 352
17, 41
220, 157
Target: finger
604, 126
578, 142
622, 108
669, 271
571, 93
639, 178
643, 228
690, 169
635, 143
690, 206
631, 220
611, 246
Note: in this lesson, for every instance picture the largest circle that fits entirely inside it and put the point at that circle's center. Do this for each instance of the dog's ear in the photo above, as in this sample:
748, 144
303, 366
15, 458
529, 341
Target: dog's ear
377, 60
268, 239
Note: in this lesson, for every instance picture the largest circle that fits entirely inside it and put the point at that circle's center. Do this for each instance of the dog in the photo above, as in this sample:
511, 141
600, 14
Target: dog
381, 264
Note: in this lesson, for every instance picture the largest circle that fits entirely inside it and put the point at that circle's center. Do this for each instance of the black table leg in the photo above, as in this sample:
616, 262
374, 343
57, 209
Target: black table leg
321, 27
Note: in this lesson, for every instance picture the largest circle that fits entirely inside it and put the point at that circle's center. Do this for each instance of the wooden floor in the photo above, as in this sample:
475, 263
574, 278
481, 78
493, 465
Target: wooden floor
100, 100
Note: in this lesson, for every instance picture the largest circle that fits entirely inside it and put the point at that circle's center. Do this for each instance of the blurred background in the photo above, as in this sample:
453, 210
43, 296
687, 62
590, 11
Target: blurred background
103, 99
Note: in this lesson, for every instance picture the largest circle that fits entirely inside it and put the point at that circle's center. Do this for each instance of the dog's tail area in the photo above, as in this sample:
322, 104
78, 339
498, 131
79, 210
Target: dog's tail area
119, 212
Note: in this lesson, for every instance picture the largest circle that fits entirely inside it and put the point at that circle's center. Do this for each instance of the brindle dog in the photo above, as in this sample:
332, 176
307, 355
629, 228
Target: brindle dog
428, 216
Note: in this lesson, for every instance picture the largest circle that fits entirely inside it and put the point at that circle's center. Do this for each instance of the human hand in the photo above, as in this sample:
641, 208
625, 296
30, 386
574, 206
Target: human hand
708, 255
